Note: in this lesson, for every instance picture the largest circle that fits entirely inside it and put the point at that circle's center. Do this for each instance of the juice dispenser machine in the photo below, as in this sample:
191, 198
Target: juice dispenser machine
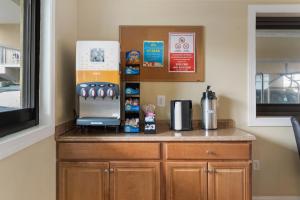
98, 83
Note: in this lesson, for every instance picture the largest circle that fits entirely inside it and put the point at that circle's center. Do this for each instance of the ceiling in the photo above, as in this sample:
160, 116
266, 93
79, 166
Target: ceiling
9, 11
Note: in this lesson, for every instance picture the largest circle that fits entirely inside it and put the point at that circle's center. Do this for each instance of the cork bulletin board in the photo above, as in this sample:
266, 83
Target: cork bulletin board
133, 37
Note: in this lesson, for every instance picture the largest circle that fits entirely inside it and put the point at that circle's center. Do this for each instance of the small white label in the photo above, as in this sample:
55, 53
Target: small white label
96, 123
83, 85
116, 115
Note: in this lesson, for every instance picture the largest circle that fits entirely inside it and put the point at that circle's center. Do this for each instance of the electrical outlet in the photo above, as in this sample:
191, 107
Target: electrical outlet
256, 165
161, 101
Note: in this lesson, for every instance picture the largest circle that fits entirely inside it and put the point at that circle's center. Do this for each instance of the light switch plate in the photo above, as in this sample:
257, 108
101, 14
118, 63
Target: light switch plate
161, 101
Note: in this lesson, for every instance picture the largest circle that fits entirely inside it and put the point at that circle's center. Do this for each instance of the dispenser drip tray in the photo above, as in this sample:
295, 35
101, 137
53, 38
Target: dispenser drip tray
98, 121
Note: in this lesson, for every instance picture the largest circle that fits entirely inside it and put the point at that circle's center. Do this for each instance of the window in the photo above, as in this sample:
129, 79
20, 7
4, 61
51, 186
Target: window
19, 65
278, 65
274, 64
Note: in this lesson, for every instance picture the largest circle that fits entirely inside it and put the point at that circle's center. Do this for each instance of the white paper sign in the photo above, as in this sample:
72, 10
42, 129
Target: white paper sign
97, 55
182, 52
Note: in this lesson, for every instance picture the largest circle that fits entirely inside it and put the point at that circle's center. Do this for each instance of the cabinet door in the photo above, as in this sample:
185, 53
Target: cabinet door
186, 180
135, 180
229, 181
83, 181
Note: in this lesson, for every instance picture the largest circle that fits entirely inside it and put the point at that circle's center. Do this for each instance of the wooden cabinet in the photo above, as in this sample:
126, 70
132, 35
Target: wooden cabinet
208, 180
186, 180
83, 181
128, 171
109, 180
135, 180
229, 181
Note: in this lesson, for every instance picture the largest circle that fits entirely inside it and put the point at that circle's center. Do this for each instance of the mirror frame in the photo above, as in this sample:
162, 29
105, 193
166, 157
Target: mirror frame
253, 10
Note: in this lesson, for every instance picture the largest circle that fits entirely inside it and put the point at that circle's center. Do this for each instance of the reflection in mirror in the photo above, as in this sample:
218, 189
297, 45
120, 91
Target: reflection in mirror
277, 64
10, 54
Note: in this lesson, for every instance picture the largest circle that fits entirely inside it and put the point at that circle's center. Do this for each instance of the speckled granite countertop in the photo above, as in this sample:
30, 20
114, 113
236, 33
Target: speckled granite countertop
163, 135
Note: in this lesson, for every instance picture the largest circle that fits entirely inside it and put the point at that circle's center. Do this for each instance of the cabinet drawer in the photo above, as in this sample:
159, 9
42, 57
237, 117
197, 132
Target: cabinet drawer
190, 151
109, 151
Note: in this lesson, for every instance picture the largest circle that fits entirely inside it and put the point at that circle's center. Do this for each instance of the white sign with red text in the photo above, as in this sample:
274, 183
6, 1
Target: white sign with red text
182, 52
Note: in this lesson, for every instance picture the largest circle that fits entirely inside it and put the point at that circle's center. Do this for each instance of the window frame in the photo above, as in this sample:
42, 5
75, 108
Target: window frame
14, 143
253, 119
28, 116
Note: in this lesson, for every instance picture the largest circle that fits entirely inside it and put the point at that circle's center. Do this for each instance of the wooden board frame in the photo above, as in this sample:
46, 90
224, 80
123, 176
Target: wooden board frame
132, 37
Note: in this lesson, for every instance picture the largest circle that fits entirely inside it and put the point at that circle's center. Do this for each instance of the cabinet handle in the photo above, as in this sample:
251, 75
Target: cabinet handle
106, 171
111, 170
209, 152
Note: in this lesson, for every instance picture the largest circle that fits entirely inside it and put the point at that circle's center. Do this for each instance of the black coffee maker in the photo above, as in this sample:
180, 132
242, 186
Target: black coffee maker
181, 115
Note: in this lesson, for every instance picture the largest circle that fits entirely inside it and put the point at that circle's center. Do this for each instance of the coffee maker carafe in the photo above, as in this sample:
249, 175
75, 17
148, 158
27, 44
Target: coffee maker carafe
209, 110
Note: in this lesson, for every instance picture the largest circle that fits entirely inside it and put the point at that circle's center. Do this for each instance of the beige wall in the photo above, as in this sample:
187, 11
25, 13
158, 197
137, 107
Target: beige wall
10, 35
278, 48
30, 174
66, 36
226, 70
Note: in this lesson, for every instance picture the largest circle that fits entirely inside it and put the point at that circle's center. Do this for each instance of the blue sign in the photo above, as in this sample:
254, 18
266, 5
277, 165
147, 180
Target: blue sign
153, 54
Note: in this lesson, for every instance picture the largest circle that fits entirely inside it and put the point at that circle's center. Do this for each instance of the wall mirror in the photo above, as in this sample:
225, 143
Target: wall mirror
274, 64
